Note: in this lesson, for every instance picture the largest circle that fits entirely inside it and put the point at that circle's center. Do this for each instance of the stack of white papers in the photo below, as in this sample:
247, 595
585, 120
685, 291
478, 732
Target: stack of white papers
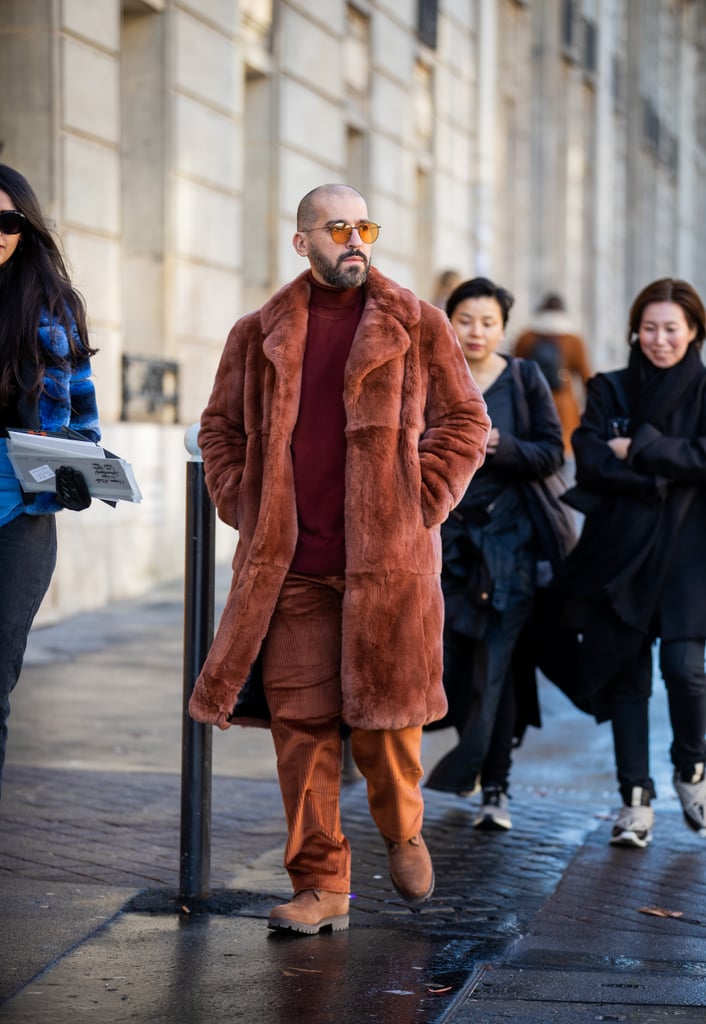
35, 457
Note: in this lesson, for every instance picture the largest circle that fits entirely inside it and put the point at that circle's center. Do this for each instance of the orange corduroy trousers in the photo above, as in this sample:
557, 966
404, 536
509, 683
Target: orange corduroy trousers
301, 663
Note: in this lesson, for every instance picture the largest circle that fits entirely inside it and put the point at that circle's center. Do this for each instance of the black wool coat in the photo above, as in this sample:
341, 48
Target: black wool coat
639, 569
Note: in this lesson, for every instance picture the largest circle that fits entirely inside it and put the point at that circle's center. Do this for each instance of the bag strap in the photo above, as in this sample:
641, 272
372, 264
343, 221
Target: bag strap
521, 403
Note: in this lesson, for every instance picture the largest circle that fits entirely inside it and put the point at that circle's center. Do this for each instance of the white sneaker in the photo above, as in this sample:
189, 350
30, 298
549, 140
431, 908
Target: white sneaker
633, 826
494, 812
692, 794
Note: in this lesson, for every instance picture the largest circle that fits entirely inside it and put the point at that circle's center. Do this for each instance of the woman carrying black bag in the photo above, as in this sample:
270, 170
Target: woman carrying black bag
501, 542
638, 572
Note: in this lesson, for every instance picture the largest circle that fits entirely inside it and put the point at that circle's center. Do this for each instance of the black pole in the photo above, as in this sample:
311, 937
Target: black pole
199, 575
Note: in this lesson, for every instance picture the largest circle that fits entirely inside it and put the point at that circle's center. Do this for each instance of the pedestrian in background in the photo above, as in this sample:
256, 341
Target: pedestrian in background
638, 572
504, 527
342, 428
446, 281
552, 341
45, 384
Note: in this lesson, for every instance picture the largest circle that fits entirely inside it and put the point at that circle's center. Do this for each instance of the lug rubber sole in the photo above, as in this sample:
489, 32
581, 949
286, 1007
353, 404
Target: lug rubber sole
339, 923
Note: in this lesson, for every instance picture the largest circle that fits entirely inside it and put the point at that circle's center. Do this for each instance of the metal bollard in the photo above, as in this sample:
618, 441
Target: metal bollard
199, 577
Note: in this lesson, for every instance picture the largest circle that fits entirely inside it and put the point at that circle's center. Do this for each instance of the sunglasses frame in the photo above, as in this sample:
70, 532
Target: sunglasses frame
13, 213
341, 225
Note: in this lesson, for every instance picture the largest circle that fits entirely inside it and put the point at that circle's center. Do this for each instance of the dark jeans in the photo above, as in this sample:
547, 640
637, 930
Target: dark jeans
27, 561
682, 665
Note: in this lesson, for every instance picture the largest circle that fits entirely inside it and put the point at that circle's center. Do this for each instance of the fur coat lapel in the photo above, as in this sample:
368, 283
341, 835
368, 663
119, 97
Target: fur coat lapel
382, 335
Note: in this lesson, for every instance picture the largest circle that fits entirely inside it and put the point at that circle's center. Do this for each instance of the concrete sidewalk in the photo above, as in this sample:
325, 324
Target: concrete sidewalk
545, 923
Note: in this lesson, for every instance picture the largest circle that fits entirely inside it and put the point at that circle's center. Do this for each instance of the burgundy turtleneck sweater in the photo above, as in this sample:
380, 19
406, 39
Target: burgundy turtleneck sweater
319, 440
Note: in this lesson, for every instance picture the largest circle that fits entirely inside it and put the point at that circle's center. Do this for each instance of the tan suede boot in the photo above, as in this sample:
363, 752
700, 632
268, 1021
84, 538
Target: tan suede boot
312, 910
411, 869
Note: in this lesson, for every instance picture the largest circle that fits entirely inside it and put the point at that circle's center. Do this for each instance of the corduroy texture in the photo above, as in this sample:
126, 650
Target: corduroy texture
416, 432
301, 661
390, 761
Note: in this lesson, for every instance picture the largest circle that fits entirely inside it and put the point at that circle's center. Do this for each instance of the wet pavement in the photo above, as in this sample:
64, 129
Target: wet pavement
544, 923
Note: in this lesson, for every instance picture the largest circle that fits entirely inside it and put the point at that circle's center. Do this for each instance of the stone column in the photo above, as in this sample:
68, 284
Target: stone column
486, 114
29, 71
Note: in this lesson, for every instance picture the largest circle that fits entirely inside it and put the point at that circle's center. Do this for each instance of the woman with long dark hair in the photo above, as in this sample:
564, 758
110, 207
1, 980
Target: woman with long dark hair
45, 385
638, 572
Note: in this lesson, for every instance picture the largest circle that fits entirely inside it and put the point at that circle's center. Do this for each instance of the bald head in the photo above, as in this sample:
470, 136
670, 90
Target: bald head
310, 205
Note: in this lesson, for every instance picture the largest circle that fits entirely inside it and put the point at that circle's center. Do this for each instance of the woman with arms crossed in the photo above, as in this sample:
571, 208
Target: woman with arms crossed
638, 572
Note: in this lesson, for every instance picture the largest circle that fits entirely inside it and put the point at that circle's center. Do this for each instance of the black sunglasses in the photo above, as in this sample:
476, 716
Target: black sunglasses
12, 222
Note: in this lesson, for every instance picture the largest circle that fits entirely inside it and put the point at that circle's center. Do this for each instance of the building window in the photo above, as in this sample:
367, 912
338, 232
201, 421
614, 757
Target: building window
618, 82
427, 13
590, 46
150, 389
569, 30
356, 61
356, 77
356, 158
650, 125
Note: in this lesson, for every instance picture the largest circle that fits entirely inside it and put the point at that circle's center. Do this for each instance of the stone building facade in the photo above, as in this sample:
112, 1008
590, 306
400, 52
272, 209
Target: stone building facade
551, 144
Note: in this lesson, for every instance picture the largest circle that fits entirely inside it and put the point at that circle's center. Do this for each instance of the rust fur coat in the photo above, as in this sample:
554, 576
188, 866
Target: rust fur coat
416, 432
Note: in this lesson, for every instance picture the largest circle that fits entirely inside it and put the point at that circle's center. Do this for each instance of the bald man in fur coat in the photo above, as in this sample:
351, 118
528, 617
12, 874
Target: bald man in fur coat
342, 428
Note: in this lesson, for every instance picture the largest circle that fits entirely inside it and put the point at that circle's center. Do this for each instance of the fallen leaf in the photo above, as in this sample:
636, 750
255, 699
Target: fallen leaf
661, 912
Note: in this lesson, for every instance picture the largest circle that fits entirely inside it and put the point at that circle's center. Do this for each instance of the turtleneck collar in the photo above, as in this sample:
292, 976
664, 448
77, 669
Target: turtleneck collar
324, 296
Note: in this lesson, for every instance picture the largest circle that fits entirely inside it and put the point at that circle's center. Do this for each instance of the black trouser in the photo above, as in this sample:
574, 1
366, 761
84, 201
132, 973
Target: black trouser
485, 739
27, 560
682, 665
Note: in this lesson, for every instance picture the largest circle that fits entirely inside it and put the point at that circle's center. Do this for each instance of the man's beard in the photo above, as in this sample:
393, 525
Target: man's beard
336, 274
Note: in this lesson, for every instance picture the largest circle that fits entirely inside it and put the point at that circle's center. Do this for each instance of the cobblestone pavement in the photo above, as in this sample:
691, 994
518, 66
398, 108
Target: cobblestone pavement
544, 923
124, 830
120, 833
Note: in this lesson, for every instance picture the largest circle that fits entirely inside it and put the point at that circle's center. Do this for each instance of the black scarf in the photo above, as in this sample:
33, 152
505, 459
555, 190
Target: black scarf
654, 393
